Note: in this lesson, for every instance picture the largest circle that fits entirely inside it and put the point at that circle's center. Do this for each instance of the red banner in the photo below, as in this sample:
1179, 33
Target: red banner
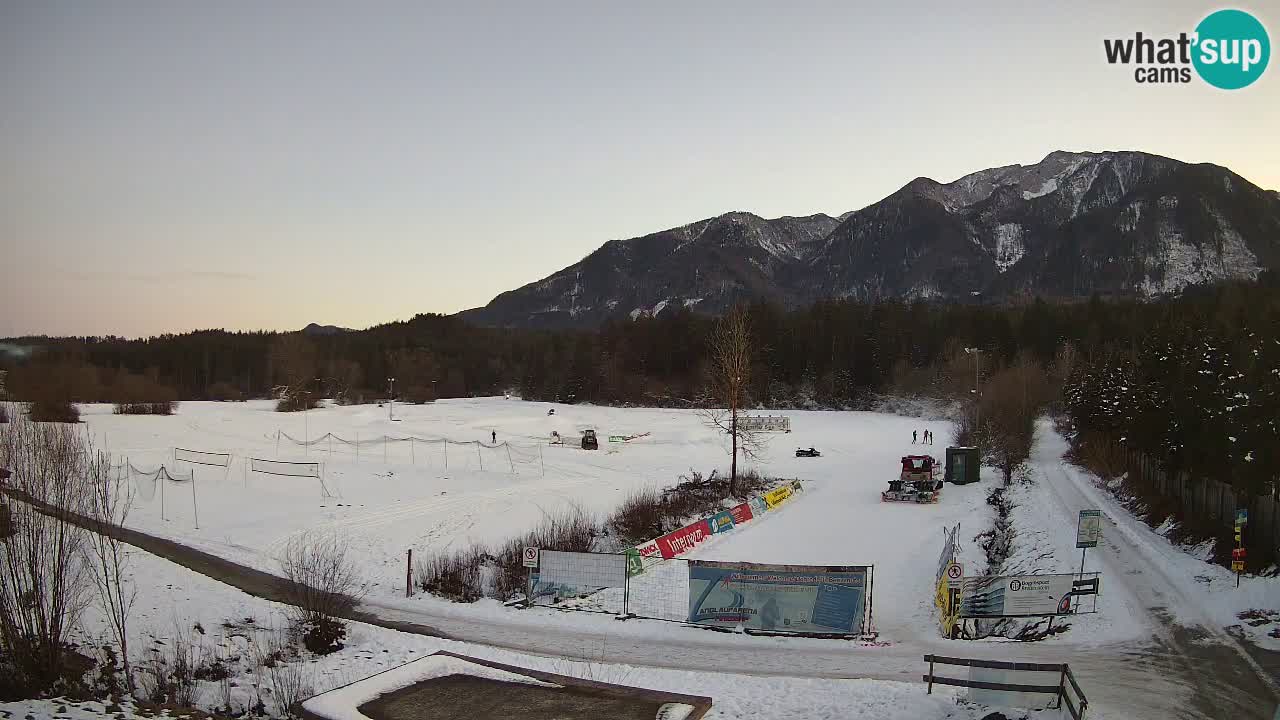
741, 513
649, 549
682, 541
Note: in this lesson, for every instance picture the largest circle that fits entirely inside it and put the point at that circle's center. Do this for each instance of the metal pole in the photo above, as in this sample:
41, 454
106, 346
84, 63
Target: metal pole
1082, 552
413, 454
357, 447
194, 509
277, 443
384, 449
160, 479
446, 454
391, 404
541, 464
408, 575
509, 462
479, 456
306, 428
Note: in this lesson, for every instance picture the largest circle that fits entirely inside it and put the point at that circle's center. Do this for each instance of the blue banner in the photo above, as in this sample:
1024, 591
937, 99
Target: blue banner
778, 598
721, 522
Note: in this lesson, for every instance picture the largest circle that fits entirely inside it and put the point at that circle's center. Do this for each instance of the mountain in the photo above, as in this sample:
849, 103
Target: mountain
1069, 226
314, 329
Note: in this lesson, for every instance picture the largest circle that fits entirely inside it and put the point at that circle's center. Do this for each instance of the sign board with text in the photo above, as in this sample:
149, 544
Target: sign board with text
1016, 596
827, 600
1089, 529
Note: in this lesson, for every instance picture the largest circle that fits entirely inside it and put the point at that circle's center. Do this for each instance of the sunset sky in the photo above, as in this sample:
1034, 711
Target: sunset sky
172, 166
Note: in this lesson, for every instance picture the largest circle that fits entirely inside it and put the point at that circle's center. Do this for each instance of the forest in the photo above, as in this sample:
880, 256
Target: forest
1191, 379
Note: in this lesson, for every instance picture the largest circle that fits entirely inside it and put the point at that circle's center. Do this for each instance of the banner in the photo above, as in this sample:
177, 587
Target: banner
741, 513
758, 505
777, 496
778, 598
721, 522
574, 574
1015, 596
682, 541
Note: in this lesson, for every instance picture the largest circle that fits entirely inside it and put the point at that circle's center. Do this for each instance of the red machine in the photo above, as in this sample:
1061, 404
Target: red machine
918, 482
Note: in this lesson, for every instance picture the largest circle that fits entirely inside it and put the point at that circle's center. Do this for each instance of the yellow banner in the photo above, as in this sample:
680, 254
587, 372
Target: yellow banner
774, 498
947, 615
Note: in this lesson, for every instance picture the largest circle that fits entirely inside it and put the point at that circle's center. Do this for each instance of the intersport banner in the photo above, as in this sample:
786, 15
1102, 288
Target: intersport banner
778, 598
682, 541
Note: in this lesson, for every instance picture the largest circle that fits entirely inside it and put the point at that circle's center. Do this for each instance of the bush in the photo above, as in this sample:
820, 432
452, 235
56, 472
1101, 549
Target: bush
297, 402
4, 413
61, 411
224, 392
146, 408
454, 575
324, 586
646, 514
571, 530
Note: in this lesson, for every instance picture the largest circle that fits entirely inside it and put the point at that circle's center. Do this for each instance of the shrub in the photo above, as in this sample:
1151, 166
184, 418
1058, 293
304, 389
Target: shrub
145, 408
62, 411
4, 413
324, 585
224, 392
453, 575
297, 402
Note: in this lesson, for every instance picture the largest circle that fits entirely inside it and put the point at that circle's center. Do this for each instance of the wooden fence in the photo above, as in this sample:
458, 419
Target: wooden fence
1067, 693
1213, 500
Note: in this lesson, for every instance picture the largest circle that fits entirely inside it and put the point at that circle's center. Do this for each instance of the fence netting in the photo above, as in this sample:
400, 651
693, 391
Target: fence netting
435, 452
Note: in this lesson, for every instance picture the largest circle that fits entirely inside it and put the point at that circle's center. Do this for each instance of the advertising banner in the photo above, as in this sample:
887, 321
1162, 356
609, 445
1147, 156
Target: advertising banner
758, 505
778, 598
741, 513
1015, 596
572, 574
682, 541
721, 522
776, 497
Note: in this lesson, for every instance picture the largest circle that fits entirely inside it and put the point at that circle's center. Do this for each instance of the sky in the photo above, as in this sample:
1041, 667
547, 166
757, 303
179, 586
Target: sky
175, 166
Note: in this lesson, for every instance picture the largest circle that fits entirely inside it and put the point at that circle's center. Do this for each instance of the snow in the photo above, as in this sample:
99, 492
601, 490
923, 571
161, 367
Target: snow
1009, 245
1195, 592
342, 703
401, 495
1050, 185
171, 596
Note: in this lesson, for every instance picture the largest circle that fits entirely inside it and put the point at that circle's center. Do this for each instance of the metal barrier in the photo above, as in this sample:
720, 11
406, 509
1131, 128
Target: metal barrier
1067, 692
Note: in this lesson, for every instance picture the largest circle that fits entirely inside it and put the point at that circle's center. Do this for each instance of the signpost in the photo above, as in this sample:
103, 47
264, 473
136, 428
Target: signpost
530, 557
1238, 553
1088, 533
955, 574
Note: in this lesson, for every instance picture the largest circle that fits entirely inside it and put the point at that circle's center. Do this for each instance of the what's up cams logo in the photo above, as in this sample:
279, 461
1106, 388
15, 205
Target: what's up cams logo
1229, 50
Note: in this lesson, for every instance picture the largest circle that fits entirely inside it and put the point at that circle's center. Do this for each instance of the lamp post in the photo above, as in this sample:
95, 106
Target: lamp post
977, 393
391, 406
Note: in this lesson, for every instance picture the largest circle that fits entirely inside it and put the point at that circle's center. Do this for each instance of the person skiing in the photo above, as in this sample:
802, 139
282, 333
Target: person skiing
913, 437
494, 435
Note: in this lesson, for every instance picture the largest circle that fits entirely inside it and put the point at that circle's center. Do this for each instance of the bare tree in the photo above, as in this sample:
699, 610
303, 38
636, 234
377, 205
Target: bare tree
44, 581
111, 498
324, 586
729, 376
1010, 402
293, 359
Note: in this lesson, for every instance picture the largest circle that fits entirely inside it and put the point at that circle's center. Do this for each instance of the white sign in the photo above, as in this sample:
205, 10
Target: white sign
955, 573
531, 557
1016, 596
1089, 529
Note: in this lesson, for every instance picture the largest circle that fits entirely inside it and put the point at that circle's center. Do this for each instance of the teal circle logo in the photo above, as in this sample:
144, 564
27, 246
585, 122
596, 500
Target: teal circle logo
1231, 49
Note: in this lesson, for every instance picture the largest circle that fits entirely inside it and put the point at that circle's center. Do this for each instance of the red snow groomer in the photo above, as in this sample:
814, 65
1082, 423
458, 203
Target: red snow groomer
918, 482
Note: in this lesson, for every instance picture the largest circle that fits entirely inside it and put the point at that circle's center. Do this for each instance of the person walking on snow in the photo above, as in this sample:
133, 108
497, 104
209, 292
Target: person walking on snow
494, 435
913, 437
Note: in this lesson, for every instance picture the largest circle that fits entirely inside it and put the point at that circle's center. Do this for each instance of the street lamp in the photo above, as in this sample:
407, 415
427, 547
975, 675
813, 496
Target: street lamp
391, 406
977, 394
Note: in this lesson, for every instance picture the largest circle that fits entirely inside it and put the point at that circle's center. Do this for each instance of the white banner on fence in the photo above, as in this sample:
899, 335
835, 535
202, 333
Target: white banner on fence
995, 596
202, 458
289, 469
765, 423
572, 574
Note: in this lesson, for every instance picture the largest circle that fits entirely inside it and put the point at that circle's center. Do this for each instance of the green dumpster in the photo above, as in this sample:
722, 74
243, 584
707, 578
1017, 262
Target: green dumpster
963, 465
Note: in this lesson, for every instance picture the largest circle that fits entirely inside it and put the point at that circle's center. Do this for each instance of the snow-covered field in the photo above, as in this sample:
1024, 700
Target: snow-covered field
407, 498
404, 497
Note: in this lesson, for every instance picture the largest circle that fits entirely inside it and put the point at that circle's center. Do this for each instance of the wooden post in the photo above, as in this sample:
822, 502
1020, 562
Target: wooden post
930, 676
195, 511
408, 575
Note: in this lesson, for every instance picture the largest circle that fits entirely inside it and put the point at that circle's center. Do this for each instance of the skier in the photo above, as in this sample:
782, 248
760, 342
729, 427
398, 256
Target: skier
913, 437
494, 435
